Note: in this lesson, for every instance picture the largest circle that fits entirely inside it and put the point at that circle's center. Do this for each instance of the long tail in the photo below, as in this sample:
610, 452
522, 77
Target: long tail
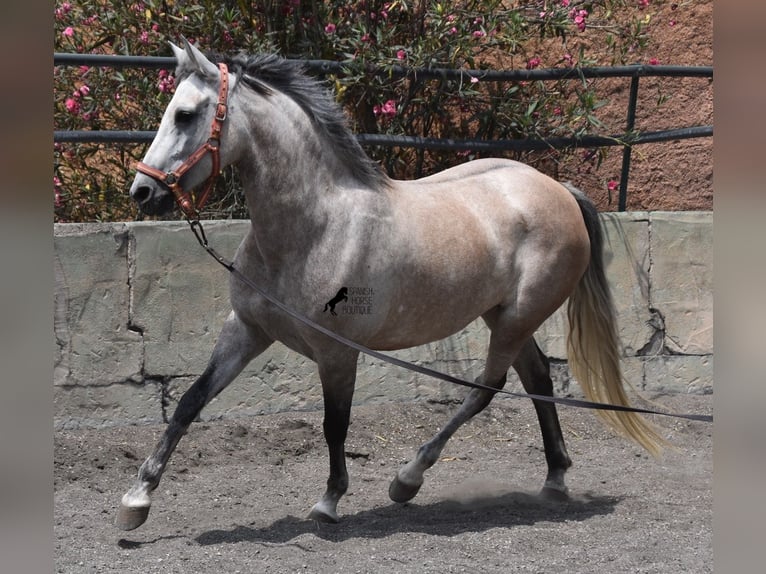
593, 343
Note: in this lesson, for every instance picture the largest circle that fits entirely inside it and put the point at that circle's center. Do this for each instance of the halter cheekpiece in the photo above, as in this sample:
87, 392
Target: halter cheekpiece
172, 179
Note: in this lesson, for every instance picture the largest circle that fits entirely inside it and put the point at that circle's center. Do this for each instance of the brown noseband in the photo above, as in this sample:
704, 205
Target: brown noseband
172, 179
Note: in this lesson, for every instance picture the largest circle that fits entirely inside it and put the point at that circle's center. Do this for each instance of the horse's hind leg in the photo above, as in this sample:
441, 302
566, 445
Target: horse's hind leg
533, 368
502, 351
237, 345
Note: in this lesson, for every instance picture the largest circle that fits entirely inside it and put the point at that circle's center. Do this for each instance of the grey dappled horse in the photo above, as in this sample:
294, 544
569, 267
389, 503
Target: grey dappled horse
492, 238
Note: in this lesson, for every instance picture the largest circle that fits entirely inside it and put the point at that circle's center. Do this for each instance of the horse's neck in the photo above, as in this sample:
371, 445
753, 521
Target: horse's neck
292, 183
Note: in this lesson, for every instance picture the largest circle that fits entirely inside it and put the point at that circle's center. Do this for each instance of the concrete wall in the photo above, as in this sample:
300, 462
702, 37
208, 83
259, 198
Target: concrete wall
138, 307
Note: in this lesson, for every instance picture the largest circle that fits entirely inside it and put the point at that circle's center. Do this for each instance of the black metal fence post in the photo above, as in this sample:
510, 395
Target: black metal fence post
628, 147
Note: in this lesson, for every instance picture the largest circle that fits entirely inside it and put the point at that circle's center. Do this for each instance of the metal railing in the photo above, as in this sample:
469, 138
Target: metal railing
323, 67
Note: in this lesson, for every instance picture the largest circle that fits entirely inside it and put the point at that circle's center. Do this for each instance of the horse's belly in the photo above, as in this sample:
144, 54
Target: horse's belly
408, 333
421, 312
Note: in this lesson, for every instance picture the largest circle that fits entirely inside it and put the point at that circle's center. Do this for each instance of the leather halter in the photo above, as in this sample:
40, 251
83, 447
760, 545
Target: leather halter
172, 179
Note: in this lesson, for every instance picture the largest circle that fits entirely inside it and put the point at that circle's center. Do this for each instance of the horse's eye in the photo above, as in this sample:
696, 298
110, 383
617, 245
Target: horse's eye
184, 117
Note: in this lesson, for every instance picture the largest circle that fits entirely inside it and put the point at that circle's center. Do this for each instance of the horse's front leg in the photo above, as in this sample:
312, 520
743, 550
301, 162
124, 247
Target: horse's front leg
237, 345
338, 375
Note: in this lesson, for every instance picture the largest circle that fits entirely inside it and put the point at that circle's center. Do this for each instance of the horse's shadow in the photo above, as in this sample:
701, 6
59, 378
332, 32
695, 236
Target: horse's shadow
444, 518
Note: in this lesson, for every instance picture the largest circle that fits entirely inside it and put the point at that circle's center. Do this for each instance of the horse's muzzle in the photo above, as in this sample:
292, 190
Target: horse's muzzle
152, 199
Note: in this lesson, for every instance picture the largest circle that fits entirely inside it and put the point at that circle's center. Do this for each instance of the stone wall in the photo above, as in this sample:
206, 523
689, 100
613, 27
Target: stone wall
138, 307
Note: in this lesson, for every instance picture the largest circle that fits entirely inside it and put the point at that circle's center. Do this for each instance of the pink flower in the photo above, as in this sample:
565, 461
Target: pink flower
565, 3
401, 55
568, 59
474, 80
387, 110
84, 90
654, 62
533, 63
478, 34
68, 32
330, 28
72, 106
167, 83
643, 3
453, 31
63, 10
144, 37
612, 185
578, 17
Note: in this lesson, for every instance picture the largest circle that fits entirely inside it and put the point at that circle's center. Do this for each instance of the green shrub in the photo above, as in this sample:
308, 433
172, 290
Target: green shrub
91, 180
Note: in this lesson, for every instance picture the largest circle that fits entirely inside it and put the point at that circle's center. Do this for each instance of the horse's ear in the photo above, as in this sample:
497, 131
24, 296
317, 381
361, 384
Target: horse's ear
198, 61
190, 60
182, 60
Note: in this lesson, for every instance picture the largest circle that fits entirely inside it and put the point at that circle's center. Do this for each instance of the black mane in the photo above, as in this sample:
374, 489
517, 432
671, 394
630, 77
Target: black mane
268, 71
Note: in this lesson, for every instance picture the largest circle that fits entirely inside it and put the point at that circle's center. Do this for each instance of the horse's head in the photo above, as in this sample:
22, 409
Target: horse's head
186, 151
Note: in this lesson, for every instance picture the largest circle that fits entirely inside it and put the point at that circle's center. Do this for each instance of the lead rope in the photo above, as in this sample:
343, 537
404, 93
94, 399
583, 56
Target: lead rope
199, 233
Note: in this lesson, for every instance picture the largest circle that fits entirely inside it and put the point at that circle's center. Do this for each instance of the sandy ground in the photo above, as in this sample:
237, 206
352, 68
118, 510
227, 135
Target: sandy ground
235, 496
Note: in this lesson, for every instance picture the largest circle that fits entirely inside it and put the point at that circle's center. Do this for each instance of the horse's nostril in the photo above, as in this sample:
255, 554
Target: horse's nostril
142, 193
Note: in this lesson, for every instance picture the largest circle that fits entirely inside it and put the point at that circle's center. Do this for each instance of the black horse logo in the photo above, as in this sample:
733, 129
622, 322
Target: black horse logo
342, 295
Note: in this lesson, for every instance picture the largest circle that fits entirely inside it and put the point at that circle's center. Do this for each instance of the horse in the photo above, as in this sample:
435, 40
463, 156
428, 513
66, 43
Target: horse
491, 238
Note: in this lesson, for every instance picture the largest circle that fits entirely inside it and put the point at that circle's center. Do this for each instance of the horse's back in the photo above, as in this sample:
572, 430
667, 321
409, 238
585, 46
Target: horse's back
499, 198
475, 167
505, 187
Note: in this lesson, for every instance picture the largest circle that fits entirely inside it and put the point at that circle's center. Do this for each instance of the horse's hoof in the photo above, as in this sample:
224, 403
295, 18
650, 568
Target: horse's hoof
554, 494
324, 515
131, 518
399, 491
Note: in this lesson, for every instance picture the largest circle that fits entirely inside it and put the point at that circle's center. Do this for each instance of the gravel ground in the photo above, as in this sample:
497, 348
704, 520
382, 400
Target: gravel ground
235, 496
